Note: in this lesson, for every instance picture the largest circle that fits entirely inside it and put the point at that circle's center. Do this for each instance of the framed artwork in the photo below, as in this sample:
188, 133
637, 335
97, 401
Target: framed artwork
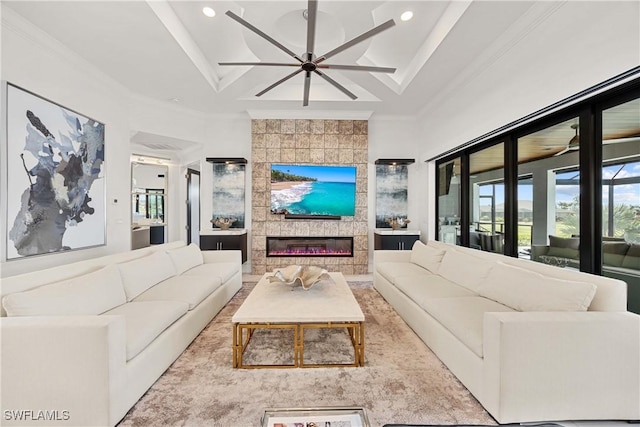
391, 193
228, 193
55, 177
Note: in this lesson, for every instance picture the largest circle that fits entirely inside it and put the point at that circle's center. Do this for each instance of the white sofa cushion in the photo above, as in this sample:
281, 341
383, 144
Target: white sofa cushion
142, 273
426, 256
91, 293
464, 269
391, 270
419, 288
186, 257
525, 290
222, 270
192, 290
464, 317
146, 320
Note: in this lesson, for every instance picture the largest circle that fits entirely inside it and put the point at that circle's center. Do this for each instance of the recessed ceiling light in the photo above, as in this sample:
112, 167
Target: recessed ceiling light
406, 15
208, 11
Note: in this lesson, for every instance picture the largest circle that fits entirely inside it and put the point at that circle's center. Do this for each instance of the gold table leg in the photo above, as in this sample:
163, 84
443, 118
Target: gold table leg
241, 341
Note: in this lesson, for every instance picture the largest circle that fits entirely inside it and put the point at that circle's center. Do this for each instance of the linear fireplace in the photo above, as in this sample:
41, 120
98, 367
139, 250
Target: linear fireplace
310, 246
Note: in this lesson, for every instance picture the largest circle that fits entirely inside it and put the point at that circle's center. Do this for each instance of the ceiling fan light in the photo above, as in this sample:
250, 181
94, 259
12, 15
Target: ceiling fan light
406, 15
208, 11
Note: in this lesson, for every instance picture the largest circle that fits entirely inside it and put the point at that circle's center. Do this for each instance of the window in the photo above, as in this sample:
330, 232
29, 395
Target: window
621, 197
562, 189
548, 190
567, 204
486, 201
155, 204
449, 202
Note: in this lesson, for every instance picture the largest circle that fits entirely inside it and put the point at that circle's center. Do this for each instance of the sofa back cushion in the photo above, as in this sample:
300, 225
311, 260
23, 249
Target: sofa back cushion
186, 257
464, 270
526, 290
564, 247
426, 256
614, 252
142, 273
632, 257
89, 294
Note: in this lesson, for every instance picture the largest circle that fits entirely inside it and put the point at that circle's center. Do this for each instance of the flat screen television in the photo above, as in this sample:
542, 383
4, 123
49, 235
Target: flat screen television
313, 191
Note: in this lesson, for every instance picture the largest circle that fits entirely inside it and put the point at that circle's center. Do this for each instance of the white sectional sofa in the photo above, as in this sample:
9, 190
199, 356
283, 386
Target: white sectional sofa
530, 341
81, 343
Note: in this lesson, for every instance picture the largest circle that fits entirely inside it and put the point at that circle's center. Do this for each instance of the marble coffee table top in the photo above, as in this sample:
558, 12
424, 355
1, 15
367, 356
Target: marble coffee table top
329, 300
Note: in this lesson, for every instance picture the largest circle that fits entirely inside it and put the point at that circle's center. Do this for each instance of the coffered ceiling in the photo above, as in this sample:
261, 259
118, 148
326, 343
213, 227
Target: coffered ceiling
169, 50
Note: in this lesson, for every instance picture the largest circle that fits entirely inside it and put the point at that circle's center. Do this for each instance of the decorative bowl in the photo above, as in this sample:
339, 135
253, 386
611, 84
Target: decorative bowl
397, 223
223, 223
299, 275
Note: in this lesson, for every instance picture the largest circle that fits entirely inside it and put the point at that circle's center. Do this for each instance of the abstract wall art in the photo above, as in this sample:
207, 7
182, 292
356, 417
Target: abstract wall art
228, 192
55, 177
391, 193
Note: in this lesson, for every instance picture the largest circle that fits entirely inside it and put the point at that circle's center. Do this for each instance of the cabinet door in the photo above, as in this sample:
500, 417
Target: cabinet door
408, 241
386, 242
394, 243
209, 243
228, 243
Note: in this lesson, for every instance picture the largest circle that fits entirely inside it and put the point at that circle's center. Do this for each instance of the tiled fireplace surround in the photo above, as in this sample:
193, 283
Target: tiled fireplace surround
322, 142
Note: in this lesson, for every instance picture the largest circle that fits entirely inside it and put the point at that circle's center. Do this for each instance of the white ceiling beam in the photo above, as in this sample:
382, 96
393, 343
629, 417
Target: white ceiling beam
181, 35
400, 80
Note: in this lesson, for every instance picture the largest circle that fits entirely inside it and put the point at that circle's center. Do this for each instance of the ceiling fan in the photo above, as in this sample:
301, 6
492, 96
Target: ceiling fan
309, 62
573, 144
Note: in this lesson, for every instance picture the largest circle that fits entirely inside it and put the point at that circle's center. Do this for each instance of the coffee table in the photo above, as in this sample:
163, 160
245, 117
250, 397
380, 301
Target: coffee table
328, 304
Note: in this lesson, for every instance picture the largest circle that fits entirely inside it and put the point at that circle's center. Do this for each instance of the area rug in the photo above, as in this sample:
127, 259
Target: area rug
402, 381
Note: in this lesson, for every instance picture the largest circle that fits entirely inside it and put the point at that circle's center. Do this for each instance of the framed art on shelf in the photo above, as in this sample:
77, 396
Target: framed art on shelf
315, 417
55, 179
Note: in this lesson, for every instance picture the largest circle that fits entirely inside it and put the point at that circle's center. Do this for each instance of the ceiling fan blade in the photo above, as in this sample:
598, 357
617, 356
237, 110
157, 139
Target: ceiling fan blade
336, 84
307, 86
372, 32
312, 11
282, 80
271, 64
358, 68
263, 35
559, 153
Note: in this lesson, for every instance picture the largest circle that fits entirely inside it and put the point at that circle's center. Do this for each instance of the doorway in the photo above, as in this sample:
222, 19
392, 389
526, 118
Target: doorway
193, 206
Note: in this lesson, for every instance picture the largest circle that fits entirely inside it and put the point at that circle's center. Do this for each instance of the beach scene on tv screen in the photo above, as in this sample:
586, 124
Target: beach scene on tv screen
313, 190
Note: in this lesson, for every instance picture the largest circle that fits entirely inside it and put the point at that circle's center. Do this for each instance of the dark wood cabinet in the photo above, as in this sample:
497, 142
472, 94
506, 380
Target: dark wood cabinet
156, 234
395, 242
225, 242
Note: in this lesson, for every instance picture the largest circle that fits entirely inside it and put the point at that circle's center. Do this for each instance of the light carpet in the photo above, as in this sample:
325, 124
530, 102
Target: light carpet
402, 381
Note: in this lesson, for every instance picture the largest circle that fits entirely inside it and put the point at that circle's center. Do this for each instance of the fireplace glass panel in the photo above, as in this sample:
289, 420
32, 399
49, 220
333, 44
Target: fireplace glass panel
310, 246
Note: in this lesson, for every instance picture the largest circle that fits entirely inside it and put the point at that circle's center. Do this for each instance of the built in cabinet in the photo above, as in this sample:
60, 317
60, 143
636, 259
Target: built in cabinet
395, 240
224, 240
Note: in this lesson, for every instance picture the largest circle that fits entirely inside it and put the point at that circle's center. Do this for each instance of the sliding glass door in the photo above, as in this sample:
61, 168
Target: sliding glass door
486, 199
449, 202
549, 194
621, 196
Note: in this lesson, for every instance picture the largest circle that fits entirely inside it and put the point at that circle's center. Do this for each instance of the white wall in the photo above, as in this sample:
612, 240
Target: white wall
397, 138
35, 62
580, 45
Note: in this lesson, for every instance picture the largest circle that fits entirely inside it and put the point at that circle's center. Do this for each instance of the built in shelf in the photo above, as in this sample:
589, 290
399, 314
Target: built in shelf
395, 161
227, 160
